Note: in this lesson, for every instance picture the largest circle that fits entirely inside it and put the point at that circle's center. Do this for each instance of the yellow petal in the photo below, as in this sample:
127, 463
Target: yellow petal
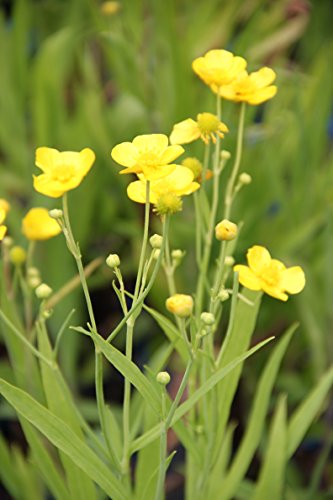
38, 225
258, 258
125, 154
136, 191
238, 65
261, 95
131, 170
46, 185
227, 92
156, 172
262, 78
194, 186
185, 132
46, 158
219, 58
274, 291
293, 279
2, 215
3, 230
247, 277
156, 143
87, 158
171, 153
179, 179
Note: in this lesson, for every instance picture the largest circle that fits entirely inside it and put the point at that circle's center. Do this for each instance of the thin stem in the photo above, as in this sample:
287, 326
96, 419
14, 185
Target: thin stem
231, 320
163, 452
61, 332
235, 169
179, 394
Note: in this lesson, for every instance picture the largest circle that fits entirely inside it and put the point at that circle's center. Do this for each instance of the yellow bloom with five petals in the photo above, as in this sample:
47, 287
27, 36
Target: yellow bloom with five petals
253, 88
38, 225
207, 127
179, 182
218, 67
148, 154
62, 171
270, 275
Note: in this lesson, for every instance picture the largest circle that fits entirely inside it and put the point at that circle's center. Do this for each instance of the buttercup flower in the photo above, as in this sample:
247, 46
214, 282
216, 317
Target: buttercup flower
38, 225
226, 230
218, 67
149, 155
178, 183
207, 127
253, 88
3, 228
62, 171
270, 275
179, 304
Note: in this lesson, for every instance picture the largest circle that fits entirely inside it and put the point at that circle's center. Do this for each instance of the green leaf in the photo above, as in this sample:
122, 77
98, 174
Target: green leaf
130, 371
153, 433
257, 417
61, 404
271, 477
63, 438
303, 416
7, 471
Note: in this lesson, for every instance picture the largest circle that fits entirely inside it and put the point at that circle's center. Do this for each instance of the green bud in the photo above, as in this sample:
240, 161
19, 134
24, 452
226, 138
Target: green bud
43, 291
113, 260
156, 241
56, 213
163, 378
207, 318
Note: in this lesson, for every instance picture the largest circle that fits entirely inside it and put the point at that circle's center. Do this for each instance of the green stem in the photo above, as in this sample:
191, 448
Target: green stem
129, 340
235, 169
163, 453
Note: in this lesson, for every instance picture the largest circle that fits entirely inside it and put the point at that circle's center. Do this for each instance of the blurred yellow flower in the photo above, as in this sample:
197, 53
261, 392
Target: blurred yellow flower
270, 275
3, 228
218, 67
38, 225
253, 88
62, 171
179, 183
110, 8
148, 154
4, 205
207, 127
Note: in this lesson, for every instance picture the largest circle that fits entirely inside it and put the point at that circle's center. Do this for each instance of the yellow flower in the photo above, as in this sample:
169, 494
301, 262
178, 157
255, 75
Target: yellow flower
149, 155
207, 127
253, 88
179, 304
179, 183
226, 230
218, 67
38, 225
270, 275
110, 8
62, 171
5, 205
3, 228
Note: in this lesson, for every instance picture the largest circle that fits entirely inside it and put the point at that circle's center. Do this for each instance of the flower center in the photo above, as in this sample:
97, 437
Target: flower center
62, 172
271, 277
148, 159
208, 123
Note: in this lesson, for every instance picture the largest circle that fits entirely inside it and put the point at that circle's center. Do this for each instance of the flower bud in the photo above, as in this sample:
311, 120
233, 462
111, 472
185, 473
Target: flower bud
33, 281
226, 230
223, 295
110, 8
7, 242
229, 260
225, 155
17, 255
245, 178
113, 260
32, 272
47, 313
163, 378
180, 305
207, 318
43, 291
177, 256
56, 213
168, 203
156, 241
193, 164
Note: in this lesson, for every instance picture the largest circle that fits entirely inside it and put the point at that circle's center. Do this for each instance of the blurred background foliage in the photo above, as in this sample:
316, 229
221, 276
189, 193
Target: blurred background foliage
74, 75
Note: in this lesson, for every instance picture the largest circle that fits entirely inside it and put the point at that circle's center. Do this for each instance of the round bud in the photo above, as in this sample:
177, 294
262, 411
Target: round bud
156, 241
32, 272
193, 164
225, 155
33, 281
113, 260
7, 242
207, 318
245, 178
177, 254
17, 255
180, 305
56, 213
43, 291
229, 260
226, 230
223, 295
47, 313
163, 378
